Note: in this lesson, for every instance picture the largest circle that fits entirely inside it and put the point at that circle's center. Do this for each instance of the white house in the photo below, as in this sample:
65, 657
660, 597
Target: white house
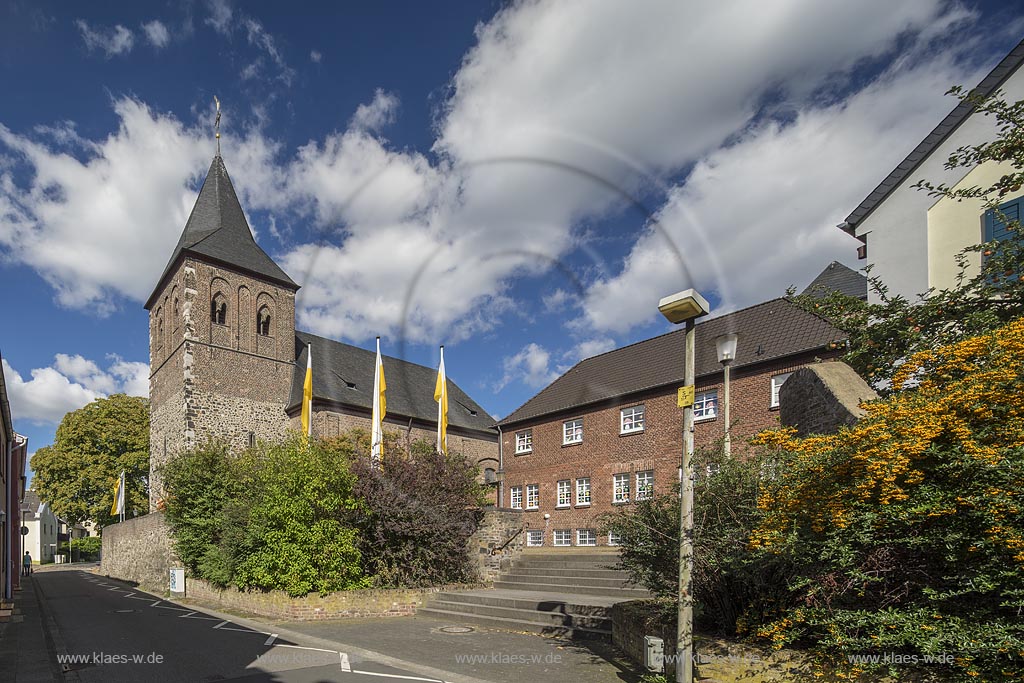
41, 540
911, 238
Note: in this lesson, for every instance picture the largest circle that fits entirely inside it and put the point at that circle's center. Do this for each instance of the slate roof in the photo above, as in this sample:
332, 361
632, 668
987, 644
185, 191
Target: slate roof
988, 85
838, 278
32, 503
217, 230
768, 331
343, 373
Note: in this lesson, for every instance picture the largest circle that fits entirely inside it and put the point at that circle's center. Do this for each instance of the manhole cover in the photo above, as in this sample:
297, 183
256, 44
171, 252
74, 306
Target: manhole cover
456, 629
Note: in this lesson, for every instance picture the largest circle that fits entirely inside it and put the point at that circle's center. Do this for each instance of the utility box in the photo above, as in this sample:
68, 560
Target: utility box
654, 654
177, 582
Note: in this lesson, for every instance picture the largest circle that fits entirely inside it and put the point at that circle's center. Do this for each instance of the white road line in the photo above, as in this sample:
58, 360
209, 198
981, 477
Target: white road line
243, 630
408, 678
345, 666
220, 624
177, 609
128, 595
271, 639
303, 647
156, 602
186, 615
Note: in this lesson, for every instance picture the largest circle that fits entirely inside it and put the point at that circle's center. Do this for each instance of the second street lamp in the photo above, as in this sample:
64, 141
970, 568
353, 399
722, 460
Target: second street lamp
685, 306
726, 345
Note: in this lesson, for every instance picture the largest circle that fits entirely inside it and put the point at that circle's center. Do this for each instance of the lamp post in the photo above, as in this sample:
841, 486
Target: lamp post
726, 345
685, 307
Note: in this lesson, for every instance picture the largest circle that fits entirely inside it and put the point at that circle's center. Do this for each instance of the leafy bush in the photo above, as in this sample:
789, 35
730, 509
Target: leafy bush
85, 549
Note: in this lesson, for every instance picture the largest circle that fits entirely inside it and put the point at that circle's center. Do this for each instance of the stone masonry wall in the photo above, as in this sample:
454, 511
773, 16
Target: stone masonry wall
494, 532
819, 399
139, 550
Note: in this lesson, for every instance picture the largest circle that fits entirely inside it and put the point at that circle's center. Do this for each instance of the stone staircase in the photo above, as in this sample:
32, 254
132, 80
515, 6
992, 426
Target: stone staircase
567, 593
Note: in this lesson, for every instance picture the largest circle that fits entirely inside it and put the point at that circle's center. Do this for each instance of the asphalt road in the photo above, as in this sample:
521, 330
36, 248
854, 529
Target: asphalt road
109, 632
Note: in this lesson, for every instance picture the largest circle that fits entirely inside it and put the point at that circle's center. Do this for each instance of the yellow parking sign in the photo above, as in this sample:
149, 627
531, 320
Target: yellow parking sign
685, 397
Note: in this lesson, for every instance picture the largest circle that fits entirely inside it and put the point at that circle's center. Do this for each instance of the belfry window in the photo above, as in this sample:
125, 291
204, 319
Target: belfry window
263, 322
219, 310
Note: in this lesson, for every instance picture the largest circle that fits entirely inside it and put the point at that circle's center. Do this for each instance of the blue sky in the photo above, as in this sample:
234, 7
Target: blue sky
518, 181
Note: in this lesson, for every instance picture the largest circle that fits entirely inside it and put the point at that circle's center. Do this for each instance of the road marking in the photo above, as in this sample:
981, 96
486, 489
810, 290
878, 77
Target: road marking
177, 609
271, 639
220, 624
186, 615
408, 678
303, 647
345, 666
156, 602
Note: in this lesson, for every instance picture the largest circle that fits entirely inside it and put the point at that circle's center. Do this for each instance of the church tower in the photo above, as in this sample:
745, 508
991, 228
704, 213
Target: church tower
221, 334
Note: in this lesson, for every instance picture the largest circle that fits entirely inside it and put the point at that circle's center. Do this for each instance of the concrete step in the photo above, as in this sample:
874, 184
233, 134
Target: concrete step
569, 571
507, 624
579, 589
564, 580
524, 615
580, 605
609, 562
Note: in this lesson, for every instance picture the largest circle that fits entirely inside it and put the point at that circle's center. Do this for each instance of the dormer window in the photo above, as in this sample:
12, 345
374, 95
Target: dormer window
263, 322
219, 310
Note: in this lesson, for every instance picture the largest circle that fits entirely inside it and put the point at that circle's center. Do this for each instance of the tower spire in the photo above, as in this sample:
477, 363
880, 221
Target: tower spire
216, 124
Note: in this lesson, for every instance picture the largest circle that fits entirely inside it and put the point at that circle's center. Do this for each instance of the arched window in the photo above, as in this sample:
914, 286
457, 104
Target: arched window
263, 322
219, 310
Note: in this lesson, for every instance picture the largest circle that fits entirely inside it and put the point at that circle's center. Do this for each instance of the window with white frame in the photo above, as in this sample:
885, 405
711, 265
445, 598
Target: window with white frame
583, 491
562, 536
614, 538
644, 485
777, 382
620, 488
516, 494
532, 496
705, 405
586, 537
572, 431
564, 494
535, 537
524, 441
631, 420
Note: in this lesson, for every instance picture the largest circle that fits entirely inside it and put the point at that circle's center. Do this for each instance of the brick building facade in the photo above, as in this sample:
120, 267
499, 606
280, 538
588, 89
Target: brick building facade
609, 430
226, 361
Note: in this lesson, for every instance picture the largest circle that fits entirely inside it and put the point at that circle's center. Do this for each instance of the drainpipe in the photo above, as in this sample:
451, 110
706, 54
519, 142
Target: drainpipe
501, 467
8, 520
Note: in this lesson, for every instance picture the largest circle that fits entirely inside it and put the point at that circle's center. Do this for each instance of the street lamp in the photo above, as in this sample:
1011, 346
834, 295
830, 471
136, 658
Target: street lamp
726, 345
685, 307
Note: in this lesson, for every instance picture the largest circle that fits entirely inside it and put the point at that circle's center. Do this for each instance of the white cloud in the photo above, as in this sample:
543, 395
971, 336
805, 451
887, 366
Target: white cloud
315, 56
260, 39
378, 113
111, 41
70, 383
220, 16
156, 33
592, 347
530, 366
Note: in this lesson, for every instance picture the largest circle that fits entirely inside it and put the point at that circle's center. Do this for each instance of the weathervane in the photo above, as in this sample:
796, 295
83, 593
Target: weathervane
216, 124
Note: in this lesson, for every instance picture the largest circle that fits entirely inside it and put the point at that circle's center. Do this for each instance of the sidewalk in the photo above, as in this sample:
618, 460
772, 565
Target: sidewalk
26, 648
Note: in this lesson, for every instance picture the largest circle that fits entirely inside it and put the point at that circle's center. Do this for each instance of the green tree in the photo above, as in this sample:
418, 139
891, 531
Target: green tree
76, 475
884, 334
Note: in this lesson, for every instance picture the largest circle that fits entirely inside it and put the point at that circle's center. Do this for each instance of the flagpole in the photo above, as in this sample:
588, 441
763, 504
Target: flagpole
441, 396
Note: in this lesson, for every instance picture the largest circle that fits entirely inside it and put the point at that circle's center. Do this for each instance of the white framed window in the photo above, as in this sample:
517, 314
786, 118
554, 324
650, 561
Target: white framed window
516, 495
583, 491
562, 536
614, 538
535, 538
524, 441
631, 420
644, 485
705, 405
532, 496
564, 494
777, 382
572, 431
620, 488
586, 537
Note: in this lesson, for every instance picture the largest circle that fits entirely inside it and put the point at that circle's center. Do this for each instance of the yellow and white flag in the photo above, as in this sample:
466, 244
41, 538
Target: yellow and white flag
118, 507
441, 396
380, 409
307, 394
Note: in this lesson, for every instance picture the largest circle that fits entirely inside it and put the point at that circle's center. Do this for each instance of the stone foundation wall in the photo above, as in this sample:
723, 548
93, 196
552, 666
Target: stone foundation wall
633, 620
821, 398
140, 551
497, 527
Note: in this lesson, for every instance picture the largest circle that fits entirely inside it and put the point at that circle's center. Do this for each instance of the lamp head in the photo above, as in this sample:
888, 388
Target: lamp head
726, 345
683, 306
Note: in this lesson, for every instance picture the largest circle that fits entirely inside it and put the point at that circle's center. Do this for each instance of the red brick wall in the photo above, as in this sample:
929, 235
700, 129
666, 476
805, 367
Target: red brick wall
605, 452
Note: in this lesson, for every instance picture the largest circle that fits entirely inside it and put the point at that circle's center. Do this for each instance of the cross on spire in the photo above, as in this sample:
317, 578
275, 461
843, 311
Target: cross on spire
216, 124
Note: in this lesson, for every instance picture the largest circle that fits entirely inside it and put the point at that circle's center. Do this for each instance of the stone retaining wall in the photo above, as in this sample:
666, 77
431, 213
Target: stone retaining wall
822, 398
140, 551
633, 620
496, 528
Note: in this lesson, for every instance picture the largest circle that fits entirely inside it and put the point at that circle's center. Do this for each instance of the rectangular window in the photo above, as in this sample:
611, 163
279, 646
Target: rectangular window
999, 226
631, 420
535, 538
614, 538
564, 493
524, 441
777, 382
644, 485
562, 536
705, 405
586, 537
620, 488
516, 492
572, 431
532, 496
583, 491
